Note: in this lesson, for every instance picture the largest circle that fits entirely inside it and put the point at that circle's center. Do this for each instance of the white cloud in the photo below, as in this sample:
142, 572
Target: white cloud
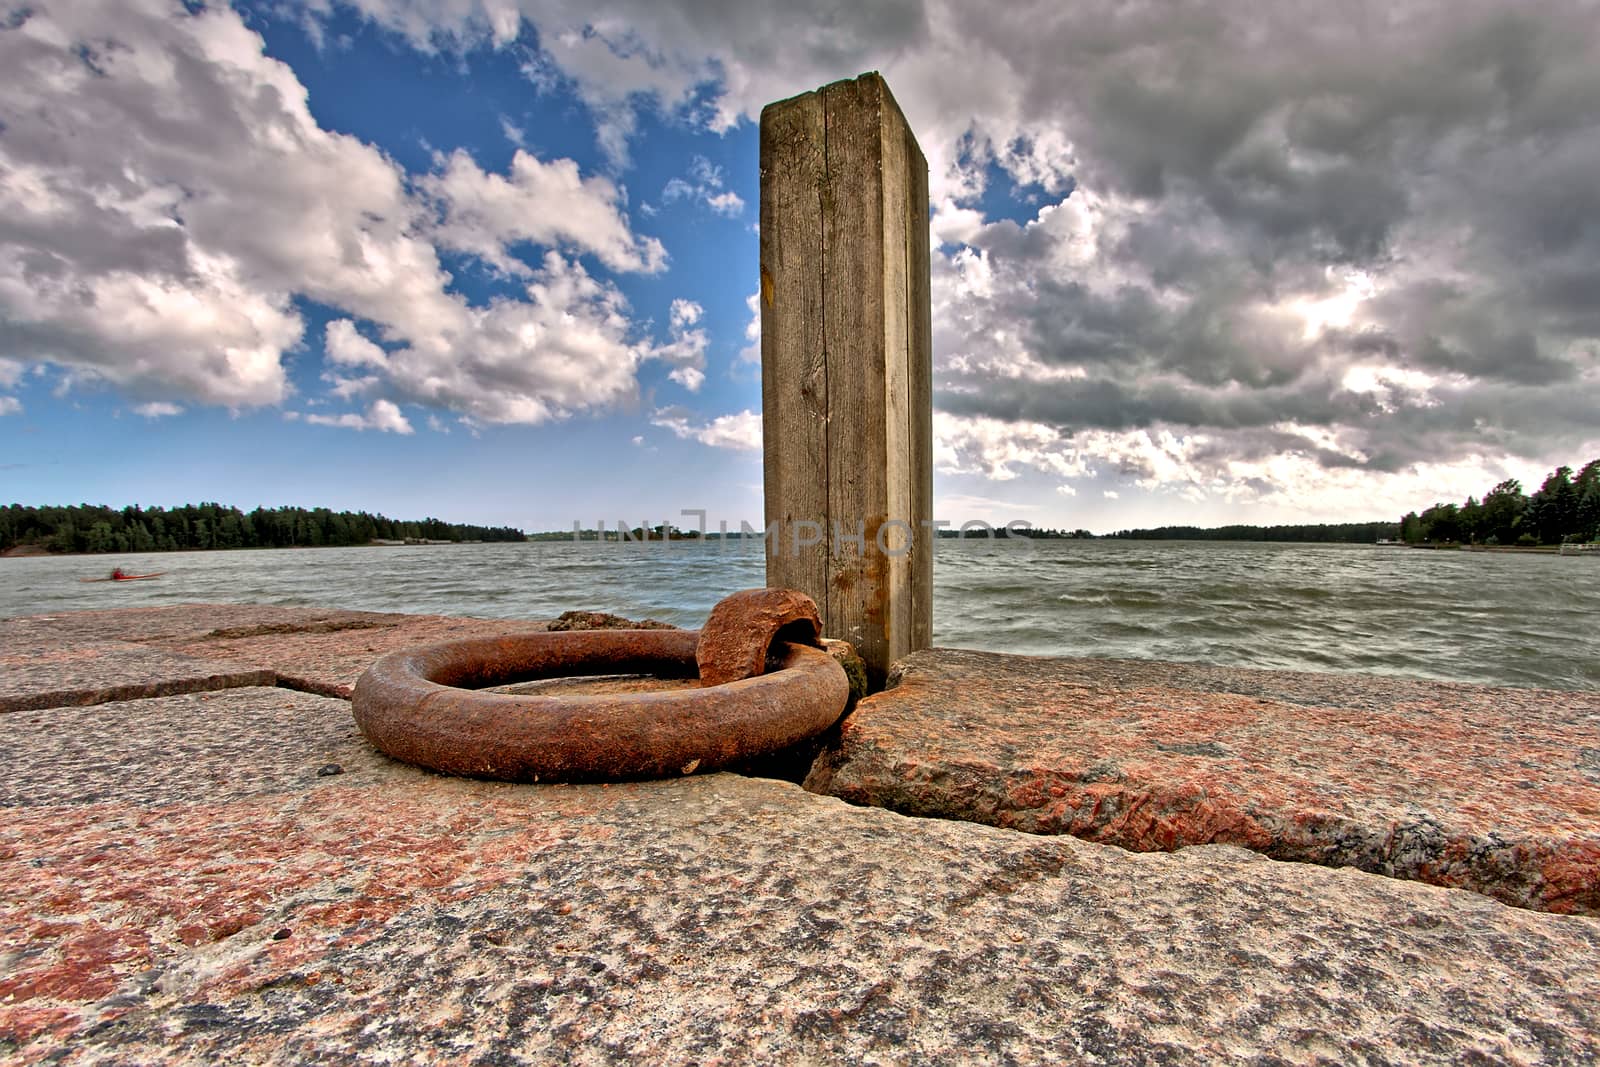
343, 344
345, 347
751, 353
962, 507
349, 388
729, 203
1295, 487
383, 415
157, 409
705, 172
720, 68
513, 133
10, 405
1322, 310
741, 431
157, 246
954, 224
996, 449
10, 373
546, 203
685, 313
1283, 479
1393, 388
162, 246
691, 378
704, 186
686, 352
563, 349
612, 67
716, 67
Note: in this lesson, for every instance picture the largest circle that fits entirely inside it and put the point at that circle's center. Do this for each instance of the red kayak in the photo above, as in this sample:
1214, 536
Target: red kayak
125, 577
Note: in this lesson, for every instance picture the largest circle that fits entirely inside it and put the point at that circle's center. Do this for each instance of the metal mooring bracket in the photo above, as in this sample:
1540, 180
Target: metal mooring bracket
425, 706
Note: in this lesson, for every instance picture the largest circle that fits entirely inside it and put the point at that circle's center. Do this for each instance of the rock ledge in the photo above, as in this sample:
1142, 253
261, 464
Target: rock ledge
1472, 787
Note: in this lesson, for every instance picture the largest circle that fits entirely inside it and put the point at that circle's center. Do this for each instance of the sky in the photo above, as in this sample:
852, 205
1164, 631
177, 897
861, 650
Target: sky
495, 261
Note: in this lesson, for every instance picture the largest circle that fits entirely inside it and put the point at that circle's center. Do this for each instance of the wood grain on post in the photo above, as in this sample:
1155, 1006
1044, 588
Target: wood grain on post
846, 365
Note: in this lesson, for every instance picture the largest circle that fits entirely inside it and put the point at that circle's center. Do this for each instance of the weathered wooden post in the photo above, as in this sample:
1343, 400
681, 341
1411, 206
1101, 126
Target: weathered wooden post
846, 365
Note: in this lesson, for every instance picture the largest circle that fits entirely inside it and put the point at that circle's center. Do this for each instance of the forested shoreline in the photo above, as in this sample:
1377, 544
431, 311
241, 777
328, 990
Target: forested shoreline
93, 528
1357, 533
1566, 508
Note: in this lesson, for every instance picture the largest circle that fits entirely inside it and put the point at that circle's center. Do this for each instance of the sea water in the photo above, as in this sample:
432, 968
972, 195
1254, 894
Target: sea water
1509, 619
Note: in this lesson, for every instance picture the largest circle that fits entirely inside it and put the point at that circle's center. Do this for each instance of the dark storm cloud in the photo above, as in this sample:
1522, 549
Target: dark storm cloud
1211, 339
1102, 403
1259, 155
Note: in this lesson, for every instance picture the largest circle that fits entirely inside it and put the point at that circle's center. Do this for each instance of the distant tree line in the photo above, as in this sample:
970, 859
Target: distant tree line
667, 532
1357, 533
1566, 508
1033, 533
96, 528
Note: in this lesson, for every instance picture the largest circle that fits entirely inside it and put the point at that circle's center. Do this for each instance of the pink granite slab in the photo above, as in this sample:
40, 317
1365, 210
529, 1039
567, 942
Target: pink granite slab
319, 650
1492, 790
40, 670
173, 621
328, 652
188, 749
178, 910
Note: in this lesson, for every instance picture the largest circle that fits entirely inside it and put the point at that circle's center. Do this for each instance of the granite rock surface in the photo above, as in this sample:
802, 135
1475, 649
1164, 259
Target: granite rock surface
39, 670
318, 650
149, 753
1475, 787
197, 886
236, 876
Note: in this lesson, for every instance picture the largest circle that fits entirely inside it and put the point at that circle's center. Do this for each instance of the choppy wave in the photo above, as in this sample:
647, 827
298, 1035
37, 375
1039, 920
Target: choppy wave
1506, 619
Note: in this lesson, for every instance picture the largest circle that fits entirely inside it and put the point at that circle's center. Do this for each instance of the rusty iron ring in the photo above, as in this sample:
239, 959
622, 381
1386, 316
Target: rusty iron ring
420, 706
735, 640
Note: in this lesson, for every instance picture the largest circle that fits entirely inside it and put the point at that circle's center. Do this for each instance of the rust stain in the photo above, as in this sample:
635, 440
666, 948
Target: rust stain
766, 286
